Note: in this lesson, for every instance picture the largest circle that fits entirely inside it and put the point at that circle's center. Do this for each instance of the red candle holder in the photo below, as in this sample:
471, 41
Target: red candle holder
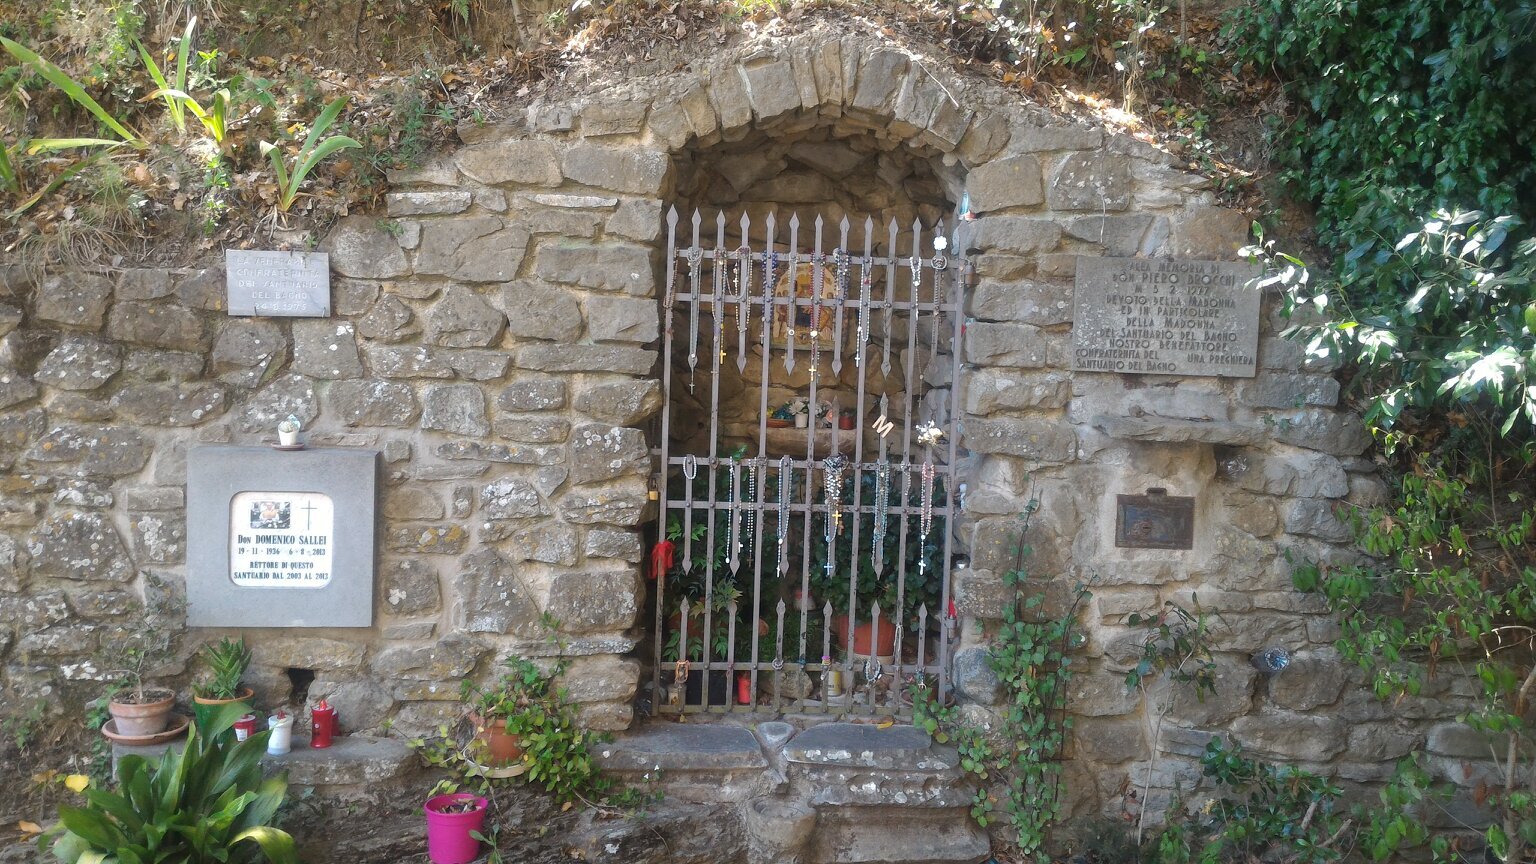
322, 721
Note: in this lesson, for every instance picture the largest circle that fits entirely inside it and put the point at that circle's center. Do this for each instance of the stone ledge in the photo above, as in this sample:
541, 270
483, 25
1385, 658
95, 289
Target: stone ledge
352, 760
684, 748
1180, 431
857, 745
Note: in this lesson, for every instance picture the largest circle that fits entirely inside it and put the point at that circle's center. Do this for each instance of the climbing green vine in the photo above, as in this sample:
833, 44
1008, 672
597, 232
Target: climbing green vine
1018, 761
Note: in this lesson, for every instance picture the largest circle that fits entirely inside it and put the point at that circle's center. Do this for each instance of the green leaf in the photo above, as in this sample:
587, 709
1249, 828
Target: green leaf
72, 89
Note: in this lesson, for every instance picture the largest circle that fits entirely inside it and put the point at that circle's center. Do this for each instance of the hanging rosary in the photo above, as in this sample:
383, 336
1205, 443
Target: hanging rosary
925, 517
864, 285
695, 256
786, 480
748, 531
734, 560
832, 469
882, 512
743, 304
839, 298
818, 263
717, 309
789, 330
940, 264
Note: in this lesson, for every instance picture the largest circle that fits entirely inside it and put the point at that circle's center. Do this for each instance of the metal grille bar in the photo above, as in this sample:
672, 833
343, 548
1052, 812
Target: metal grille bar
815, 514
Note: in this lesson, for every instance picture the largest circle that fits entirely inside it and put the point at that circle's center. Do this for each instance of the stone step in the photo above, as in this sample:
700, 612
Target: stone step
896, 835
697, 762
351, 761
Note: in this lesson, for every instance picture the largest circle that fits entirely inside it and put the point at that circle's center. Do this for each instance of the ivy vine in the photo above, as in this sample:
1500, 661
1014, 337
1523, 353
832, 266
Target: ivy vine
1018, 761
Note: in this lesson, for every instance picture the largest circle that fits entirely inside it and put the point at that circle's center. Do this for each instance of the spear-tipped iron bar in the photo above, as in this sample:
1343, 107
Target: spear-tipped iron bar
668, 309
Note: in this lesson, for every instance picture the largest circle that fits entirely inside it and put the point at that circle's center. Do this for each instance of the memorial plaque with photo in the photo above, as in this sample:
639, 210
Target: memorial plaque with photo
280, 538
279, 284
1165, 316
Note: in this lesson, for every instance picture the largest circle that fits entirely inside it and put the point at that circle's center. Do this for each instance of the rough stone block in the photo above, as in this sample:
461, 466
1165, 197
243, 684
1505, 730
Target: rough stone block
619, 503
989, 391
458, 409
462, 319
1209, 232
1026, 302
143, 284
1338, 433
169, 404
373, 402
609, 543
246, 349
629, 170
539, 311
410, 587
1109, 740
1317, 517
1304, 475
533, 393
1039, 440
409, 362
73, 300
1033, 139
637, 219
586, 358
326, 349
532, 428
1125, 234
472, 248
772, 89
1098, 181
881, 76
600, 266
1018, 234
158, 326
601, 452
592, 601
78, 546
105, 451
511, 498
390, 321
427, 203
601, 119
359, 247
79, 363
1282, 390
547, 543
1299, 737
1005, 344
452, 658
1002, 183
622, 403
526, 163
622, 319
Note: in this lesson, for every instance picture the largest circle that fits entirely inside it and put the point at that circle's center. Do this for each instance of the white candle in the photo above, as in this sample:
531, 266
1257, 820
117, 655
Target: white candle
281, 739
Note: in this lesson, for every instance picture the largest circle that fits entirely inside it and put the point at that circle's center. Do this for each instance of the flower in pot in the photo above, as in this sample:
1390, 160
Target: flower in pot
500, 712
227, 660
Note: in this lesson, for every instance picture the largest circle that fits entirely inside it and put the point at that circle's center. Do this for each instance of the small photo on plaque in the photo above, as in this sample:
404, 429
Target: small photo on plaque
1155, 520
271, 514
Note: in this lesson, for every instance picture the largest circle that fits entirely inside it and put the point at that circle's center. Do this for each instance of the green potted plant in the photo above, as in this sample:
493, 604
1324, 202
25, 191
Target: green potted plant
227, 660
500, 712
221, 808
139, 712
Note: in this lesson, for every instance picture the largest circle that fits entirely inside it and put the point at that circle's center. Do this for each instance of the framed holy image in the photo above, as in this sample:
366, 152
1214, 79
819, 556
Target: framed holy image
799, 316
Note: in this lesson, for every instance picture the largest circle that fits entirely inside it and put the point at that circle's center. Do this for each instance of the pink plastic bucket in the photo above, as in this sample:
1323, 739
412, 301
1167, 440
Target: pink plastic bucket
448, 840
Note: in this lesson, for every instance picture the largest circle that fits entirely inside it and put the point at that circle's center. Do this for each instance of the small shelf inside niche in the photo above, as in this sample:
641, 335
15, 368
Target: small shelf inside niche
791, 441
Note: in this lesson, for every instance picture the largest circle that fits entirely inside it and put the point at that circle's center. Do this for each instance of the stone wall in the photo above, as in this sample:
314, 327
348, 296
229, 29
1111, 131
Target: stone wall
493, 334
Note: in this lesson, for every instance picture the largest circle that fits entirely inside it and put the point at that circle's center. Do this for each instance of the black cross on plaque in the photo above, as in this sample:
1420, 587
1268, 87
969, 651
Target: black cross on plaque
309, 516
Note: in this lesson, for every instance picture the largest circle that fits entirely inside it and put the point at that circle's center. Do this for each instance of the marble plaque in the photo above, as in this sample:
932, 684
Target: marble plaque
278, 284
280, 538
1165, 316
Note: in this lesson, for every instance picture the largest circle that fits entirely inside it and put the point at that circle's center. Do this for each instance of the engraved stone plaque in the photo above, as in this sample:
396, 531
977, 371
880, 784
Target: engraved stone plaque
280, 284
1165, 316
1155, 520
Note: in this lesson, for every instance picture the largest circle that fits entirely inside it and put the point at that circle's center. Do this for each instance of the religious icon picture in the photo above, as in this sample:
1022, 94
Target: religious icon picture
801, 317
271, 514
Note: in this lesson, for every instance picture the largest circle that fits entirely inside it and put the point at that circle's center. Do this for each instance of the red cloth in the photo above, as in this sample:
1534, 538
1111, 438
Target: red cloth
661, 558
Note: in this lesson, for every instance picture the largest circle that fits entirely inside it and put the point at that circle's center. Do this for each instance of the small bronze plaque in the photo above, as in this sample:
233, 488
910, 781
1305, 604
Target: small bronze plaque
1155, 520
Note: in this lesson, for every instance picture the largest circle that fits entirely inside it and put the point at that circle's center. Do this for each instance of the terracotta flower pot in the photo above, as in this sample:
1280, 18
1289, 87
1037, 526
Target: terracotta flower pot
203, 709
864, 635
503, 749
138, 719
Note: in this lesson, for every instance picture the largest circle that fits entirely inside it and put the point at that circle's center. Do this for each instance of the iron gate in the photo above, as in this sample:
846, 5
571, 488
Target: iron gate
858, 516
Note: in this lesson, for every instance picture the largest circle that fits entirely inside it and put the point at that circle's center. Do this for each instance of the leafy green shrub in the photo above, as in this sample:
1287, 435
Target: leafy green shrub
200, 804
1266, 813
1404, 106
